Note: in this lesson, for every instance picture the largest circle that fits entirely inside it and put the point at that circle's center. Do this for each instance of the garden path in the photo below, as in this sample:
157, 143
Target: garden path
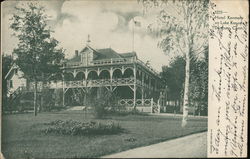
191, 146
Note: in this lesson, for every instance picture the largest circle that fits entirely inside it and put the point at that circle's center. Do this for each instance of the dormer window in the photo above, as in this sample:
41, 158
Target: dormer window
16, 71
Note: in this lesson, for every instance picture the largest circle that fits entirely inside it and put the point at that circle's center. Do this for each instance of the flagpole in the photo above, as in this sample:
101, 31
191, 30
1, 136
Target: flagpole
133, 32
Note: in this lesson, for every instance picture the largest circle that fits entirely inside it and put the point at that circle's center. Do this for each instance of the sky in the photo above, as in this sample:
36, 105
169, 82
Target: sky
109, 24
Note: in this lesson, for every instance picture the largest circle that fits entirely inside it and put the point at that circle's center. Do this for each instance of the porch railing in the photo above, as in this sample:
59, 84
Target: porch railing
139, 102
87, 83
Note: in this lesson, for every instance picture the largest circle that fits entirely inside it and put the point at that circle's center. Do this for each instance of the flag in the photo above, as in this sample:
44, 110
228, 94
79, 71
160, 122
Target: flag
137, 23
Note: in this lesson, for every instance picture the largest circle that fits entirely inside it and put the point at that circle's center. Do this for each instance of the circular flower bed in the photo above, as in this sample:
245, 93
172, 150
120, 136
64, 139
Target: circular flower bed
71, 127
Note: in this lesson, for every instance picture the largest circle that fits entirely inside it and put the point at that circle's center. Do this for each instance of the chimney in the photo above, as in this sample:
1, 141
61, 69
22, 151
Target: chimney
76, 52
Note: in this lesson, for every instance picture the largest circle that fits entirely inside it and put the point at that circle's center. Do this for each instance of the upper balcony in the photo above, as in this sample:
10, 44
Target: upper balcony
111, 61
116, 61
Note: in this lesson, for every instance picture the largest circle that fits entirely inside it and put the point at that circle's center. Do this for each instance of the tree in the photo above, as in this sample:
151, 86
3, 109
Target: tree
37, 53
174, 75
183, 27
199, 84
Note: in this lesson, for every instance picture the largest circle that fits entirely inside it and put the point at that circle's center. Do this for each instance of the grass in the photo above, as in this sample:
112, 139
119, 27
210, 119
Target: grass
22, 136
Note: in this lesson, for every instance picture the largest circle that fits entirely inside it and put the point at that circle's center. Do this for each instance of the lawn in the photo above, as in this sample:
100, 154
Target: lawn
22, 136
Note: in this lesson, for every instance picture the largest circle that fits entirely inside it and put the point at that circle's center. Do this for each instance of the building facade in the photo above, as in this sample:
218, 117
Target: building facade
133, 81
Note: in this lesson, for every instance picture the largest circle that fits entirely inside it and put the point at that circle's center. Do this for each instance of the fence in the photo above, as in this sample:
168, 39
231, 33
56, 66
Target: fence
148, 103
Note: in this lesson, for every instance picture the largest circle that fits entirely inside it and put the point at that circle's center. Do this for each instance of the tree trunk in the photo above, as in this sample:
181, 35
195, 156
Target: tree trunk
35, 98
199, 107
186, 91
42, 94
175, 106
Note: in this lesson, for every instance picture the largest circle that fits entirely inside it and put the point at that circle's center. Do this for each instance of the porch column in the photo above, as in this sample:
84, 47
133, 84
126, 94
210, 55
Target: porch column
111, 78
86, 89
142, 96
142, 89
111, 74
134, 86
156, 89
86, 74
63, 89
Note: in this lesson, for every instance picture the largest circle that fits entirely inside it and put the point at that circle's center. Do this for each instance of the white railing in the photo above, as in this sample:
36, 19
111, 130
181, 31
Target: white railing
90, 83
114, 61
53, 84
74, 84
155, 107
103, 62
122, 81
108, 82
138, 102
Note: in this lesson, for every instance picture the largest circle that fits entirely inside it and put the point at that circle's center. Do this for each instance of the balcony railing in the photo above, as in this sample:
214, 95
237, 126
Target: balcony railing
89, 83
113, 61
103, 62
99, 83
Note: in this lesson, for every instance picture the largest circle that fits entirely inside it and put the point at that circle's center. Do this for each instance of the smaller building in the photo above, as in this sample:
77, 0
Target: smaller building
15, 80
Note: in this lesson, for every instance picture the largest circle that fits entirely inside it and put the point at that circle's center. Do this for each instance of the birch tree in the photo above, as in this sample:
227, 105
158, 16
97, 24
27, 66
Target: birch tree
37, 52
182, 26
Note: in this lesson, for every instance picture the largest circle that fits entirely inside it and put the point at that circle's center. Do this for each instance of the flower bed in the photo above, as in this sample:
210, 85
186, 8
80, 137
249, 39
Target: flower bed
71, 127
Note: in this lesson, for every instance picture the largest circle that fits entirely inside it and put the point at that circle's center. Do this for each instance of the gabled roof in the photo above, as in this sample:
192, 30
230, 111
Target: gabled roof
11, 71
88, 47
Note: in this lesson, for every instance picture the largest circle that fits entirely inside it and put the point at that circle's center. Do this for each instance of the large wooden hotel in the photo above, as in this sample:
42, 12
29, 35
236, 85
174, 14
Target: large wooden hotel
133, 81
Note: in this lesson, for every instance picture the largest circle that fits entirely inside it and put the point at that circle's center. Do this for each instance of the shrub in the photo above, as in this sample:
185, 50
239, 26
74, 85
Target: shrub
71, 127
106, 101
51, 99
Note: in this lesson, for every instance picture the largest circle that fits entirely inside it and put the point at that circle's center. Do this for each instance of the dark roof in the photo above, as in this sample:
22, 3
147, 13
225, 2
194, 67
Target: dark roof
107, 53
100, 54
75, 59
129, 54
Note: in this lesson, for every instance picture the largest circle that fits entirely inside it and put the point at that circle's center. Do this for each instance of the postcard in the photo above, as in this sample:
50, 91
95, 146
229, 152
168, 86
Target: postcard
124, 78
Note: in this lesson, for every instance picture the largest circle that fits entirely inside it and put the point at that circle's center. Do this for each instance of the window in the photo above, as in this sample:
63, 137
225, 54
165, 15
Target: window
11, 83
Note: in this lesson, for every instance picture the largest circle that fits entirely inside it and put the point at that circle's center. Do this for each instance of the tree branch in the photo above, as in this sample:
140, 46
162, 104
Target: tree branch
200, 46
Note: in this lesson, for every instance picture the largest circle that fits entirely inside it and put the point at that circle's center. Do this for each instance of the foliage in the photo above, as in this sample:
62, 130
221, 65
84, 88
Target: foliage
174, 75
199, 84
48, 99
125, 112
52, 99
183, 27
105, 101
71, 127
37, 52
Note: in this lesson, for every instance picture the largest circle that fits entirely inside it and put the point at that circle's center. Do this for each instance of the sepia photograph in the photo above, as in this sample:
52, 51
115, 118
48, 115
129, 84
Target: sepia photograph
104, 78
